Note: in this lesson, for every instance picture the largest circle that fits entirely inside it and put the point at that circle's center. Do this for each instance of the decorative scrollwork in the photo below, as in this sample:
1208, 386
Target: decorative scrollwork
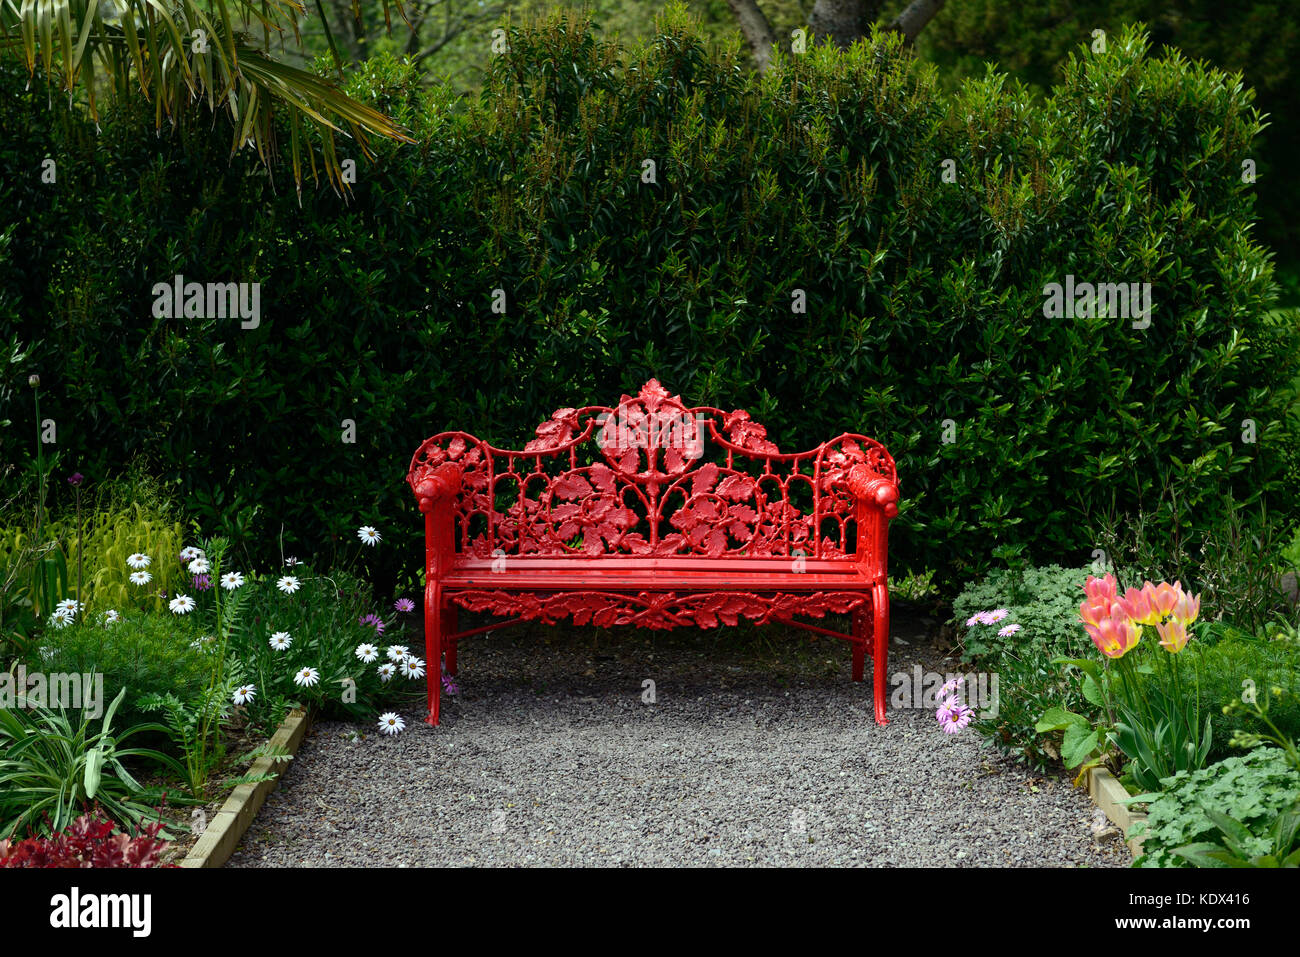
658, 610
651, 476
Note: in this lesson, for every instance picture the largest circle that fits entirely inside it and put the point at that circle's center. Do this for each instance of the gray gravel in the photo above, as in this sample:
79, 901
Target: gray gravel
757, 751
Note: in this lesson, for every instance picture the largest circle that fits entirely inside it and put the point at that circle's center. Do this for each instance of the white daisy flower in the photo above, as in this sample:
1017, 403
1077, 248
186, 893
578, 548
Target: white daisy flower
199, 566
111, 616
368, 535
70, 605
281, 641
141, 578
288, 584
390, 723
291, 561
387, 670
367, 653
182, 605
47, 652
189, 551
397, 652
138, 560
412, 667
61, 618
231, 580
306, 677
244, 694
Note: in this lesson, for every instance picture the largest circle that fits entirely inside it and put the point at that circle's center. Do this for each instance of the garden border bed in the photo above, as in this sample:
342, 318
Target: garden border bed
222, 836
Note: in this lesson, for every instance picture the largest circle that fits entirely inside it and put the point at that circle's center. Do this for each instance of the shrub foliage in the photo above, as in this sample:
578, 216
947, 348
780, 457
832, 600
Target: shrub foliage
837, 245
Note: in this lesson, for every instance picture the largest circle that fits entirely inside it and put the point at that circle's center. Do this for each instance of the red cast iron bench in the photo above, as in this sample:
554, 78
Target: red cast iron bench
656, 515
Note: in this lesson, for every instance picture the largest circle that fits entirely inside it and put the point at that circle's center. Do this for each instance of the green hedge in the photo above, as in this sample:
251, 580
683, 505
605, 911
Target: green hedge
925, 298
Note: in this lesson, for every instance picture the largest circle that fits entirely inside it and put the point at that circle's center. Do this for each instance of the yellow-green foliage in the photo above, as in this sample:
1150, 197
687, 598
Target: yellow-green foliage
111, 532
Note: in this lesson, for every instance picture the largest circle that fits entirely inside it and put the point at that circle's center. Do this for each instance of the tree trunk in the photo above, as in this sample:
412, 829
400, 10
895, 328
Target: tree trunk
756, 29
842, 21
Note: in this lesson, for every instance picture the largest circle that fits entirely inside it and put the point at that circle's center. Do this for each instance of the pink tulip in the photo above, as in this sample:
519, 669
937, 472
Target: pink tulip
1187, 608
1173, 635
1093, 612
1115, 637
1140, 606
1163, 597
1099, 588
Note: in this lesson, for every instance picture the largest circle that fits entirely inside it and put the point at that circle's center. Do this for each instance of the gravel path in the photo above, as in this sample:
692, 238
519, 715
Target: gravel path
757, 751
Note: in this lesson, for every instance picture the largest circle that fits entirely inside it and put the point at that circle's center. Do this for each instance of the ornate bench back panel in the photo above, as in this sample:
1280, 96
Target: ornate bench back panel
652, 477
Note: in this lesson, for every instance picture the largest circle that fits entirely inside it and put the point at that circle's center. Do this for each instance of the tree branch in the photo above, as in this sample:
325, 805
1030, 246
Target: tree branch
757, 30
914, 18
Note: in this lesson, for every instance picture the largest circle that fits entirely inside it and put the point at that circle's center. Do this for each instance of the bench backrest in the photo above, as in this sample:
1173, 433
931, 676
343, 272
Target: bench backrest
649, 477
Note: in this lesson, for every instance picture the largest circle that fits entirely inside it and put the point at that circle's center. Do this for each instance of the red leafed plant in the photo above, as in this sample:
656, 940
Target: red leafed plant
92, 840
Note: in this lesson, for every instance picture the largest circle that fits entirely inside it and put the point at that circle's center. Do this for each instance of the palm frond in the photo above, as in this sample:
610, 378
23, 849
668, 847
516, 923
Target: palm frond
181, 52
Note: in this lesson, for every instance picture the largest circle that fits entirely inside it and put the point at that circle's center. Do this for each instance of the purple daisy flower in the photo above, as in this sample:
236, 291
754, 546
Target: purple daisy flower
203, 582
449, 686
947, 709
404, 605
375, 620
955, 718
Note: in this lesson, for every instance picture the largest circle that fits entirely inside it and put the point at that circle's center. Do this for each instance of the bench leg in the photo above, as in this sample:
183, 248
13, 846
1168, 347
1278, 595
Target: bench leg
433, 614
860, 638
880, 649
449, 626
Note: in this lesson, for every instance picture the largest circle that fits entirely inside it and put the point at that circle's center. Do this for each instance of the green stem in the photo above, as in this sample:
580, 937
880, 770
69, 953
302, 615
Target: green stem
40, 468
79, 550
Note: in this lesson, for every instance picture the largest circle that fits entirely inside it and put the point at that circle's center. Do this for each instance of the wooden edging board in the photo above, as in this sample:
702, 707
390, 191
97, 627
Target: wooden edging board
1108, 794
224, 832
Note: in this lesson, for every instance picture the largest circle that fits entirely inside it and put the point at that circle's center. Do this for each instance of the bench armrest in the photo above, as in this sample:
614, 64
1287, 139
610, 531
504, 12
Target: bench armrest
873, 491
439, 484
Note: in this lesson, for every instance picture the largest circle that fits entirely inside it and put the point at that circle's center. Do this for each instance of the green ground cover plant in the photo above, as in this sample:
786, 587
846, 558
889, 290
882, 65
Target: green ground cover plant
1253, 789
